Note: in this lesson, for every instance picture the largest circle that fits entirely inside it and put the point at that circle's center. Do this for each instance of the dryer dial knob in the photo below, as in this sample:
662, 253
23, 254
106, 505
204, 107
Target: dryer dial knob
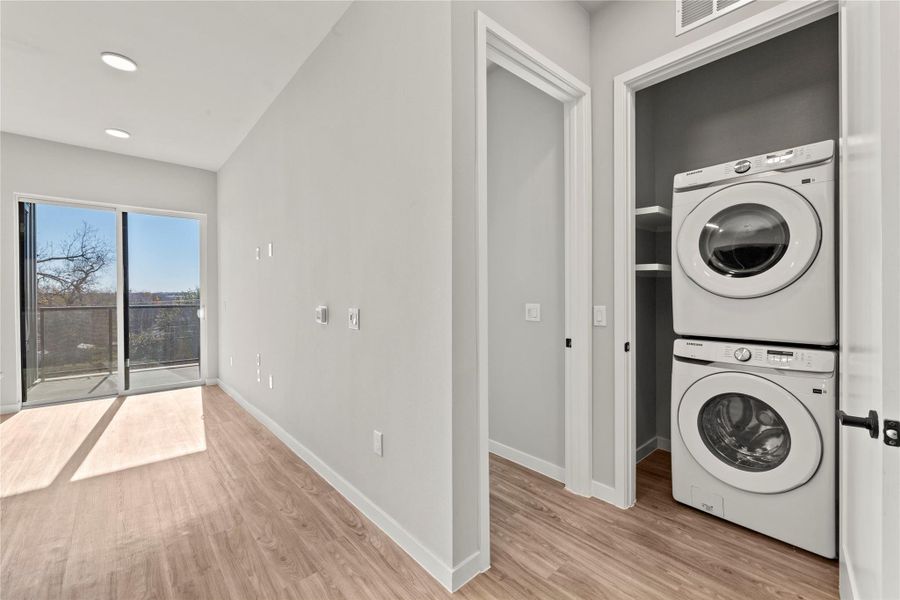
742, 354
742, 166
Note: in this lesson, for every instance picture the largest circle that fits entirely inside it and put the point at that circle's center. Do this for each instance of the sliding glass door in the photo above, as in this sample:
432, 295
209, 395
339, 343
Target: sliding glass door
76, 291
162, 300
67, 277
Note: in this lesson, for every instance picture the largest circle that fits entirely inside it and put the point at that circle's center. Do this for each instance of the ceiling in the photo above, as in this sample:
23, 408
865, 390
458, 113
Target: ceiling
592, 5
206, 71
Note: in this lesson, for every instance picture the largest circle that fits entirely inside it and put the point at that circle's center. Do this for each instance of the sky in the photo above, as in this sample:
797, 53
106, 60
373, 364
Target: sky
163, 252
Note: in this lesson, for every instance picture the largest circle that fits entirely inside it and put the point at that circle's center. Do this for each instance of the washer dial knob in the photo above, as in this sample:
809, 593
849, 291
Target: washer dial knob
742, 354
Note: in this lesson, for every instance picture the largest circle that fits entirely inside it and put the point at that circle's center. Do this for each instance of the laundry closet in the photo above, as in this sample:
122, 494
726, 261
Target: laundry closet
780, 94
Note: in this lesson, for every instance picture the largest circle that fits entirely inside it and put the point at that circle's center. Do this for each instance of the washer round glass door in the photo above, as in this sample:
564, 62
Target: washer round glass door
749, 240
749, 432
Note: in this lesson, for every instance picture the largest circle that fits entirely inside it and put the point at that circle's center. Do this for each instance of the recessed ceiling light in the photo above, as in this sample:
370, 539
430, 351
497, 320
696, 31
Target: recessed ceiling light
118, 61
118, 133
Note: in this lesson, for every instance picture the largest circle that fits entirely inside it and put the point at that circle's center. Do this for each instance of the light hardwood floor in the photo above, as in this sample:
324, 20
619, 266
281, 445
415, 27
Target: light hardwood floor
184, 495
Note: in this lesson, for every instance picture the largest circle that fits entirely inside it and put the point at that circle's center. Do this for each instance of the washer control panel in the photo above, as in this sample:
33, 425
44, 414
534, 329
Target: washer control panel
773, 161
776, 357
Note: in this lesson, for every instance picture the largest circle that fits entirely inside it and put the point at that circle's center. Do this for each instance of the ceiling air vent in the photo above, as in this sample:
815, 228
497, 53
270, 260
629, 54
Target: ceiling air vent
693, 13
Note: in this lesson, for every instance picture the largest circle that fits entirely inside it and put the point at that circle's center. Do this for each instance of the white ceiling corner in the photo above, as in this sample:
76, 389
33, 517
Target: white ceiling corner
206, 71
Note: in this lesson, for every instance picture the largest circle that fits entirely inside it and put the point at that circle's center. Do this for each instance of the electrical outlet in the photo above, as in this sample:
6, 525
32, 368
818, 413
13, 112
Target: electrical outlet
257, 253
532, 312
258, 377
257, 359
353, 318
377, 443
271, 385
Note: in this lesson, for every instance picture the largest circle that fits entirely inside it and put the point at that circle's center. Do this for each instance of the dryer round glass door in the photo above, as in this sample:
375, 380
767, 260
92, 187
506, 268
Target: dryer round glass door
749, 240
749, 432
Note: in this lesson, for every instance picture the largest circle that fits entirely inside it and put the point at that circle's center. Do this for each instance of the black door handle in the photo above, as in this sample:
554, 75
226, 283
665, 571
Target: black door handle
870, 422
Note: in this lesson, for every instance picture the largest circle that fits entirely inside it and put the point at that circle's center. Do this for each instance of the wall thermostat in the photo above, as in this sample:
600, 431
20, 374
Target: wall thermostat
322, 315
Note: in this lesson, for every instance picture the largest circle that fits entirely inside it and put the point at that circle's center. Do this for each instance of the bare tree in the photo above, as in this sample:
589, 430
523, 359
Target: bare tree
69, 270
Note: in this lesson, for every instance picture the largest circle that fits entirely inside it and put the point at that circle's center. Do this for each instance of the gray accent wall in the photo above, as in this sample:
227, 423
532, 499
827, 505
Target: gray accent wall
526, 264
775, 95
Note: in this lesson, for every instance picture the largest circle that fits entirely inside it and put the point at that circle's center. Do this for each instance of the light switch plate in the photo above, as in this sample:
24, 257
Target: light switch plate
377, 443
532, 312
271, 250
353, 318
322, 314
271, 383
599, 316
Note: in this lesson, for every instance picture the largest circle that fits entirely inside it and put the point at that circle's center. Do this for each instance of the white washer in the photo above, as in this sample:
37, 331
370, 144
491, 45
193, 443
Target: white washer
753, 248
753, 438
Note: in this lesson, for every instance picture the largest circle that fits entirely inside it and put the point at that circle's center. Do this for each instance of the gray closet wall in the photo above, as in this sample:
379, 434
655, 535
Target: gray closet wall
778, 94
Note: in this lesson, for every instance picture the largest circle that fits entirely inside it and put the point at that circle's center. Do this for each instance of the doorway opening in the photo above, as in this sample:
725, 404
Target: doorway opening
526, 274
785, 98
110, 300
68, 288
496, 45
750, 32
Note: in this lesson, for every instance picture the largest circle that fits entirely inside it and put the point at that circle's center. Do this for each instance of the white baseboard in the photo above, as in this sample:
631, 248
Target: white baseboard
528, 461
9, 408
445, 575
212, 381
647, 448
604, 492
467, 569
644, 450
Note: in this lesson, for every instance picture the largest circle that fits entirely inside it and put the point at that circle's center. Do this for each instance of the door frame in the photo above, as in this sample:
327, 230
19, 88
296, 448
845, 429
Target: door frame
753, 30
496, 44
119, 209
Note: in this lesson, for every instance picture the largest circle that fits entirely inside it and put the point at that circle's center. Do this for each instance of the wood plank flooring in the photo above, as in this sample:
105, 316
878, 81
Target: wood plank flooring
184, 495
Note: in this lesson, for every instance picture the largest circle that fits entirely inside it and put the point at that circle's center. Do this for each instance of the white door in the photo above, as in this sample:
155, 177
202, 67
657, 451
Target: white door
870, 296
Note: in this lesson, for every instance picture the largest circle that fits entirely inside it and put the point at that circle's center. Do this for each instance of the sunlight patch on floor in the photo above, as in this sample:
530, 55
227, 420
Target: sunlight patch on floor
37, 443
146, 429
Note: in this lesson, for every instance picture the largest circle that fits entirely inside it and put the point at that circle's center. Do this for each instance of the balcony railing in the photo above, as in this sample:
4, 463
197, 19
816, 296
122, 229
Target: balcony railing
79, 340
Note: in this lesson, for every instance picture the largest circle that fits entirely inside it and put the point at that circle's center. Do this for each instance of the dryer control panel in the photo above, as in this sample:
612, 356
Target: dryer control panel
773, 161
775, 357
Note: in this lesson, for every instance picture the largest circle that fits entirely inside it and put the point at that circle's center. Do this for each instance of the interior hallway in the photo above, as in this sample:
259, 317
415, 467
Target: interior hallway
183, 494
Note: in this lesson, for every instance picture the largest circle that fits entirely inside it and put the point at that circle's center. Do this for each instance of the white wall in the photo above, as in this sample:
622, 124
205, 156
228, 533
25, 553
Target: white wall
33, 166
526, 263
624, 35
560, 31
348, 173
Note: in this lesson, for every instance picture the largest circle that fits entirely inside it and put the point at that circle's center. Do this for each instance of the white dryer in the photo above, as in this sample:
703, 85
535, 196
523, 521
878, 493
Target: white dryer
753, 248
753, 438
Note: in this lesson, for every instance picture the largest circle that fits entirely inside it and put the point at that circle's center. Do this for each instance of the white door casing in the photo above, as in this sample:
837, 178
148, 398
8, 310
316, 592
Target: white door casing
496, 44
870, 296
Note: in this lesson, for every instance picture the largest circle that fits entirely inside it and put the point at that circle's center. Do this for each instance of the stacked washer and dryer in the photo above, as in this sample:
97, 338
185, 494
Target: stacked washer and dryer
754, 375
